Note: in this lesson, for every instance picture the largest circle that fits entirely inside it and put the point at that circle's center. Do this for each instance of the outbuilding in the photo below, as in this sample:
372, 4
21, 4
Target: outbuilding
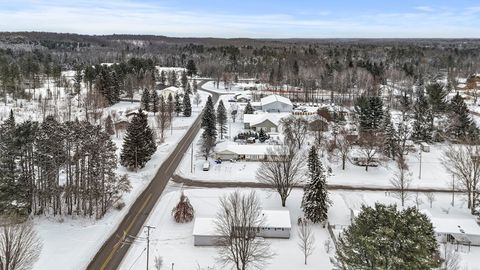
204, 232
247, 152
276, 103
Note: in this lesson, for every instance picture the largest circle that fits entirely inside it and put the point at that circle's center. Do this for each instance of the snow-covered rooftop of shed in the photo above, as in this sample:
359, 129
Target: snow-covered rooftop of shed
454, 225
275, 98
205, 227
257, 118
245, 149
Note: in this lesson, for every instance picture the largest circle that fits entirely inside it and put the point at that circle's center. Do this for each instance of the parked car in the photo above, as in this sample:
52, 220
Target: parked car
206, 166
218, 161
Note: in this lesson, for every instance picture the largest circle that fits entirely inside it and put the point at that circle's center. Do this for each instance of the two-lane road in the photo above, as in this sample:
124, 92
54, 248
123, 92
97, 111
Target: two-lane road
113, 250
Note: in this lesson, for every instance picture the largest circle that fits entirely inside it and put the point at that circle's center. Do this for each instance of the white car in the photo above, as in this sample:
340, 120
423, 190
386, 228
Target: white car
206, 166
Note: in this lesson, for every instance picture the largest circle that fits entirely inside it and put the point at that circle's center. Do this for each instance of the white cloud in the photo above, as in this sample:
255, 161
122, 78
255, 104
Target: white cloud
425, 8
126, 16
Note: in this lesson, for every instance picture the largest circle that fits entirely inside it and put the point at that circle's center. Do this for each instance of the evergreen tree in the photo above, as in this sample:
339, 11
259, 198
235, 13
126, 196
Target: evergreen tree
262, 135
370, 113
437, 97
155, 101
461, 126
187, 106
191, 68
170, 107
109, 126
138, 144
423, 120
221, 118
209, 135
178, 105
315, 200
172, 78
381, 237
146, 100
8, 168
195, 86
389, 135
248, 108
188, 89
163, 77
184, 80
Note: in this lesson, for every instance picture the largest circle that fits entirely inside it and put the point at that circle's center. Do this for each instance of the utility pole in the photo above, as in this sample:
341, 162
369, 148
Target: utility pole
420, 168
191, 160
453, 190
148, 242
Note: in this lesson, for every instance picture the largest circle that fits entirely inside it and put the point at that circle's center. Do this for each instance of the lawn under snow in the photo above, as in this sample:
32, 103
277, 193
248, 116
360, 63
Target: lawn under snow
174, 242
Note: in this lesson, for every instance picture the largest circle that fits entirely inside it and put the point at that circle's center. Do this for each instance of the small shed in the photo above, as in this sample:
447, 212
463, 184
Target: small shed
425, 147
277, 224
460, 231
204, 232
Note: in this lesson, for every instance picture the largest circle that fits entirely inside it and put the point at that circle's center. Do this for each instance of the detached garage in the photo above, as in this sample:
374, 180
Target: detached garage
204, 232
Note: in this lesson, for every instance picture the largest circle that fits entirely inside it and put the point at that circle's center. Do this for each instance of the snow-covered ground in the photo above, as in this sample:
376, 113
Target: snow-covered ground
174, 242
70, 242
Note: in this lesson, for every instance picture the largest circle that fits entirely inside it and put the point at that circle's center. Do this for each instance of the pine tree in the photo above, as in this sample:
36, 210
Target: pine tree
221, 118
376, 112
437, 97
170, 107
188, 89
138, 144
187, 106
315, 200
191, 68
184, 80
389, 135
109, 126
262, 136
209, 135
183, 211
146, 100
178, 105
248, 108
461, 126
163, 77
8, 168
172, 78
423, 120
381, 237
195, 86
155, 101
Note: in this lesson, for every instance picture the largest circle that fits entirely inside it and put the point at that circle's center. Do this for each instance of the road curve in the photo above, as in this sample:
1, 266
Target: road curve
114, 249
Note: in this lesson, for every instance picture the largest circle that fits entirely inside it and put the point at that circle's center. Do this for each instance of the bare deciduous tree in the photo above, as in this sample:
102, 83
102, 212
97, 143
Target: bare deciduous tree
342, 147
369, 148
462, 161
237, 223
282, 170
401, 181
19, 246
306, 239
430, 197
295, 130
452, 260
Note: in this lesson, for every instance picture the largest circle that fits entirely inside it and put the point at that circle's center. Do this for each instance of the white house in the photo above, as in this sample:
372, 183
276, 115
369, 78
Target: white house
248, 152
276, 224
173, 90
276, 103
269, 122
461, 231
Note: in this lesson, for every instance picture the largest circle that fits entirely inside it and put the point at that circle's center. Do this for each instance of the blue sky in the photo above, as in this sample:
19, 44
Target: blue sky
248, 18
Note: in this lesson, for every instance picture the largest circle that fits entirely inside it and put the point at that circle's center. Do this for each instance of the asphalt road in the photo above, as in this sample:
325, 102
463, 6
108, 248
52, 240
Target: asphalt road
115, 248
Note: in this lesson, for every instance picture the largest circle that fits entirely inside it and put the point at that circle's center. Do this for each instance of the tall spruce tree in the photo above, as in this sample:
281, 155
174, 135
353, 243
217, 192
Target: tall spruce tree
8, 168
389, 135
178, 105
184, 80
315, 200
187, 106
155, 101
109, 129
138, 144
423, 120
146, 100
191, 68
248, 108
209, 135
437, 97
221, 118
370, 113
461, 126
381, 237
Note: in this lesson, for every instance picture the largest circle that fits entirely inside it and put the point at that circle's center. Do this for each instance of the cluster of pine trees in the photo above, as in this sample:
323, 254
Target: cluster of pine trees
180, 104
60, 168
210, 120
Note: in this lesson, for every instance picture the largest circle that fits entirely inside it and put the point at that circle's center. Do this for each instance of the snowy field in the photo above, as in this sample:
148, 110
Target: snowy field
174, 242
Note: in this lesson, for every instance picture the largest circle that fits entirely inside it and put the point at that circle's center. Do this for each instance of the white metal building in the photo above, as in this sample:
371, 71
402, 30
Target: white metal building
276, 103
462, 231
247, 152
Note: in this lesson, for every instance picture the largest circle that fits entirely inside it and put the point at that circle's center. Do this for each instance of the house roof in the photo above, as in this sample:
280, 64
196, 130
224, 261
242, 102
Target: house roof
454, 225
172, 88
205, 227
272, 219
277, 218
275, 98
254, 119
245, 149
